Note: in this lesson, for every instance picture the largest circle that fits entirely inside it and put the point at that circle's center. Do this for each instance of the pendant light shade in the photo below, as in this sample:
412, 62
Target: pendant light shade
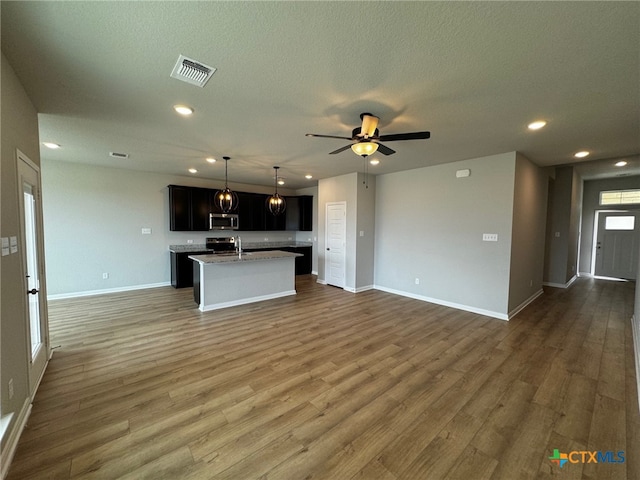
276, 203
226, 199
364, 148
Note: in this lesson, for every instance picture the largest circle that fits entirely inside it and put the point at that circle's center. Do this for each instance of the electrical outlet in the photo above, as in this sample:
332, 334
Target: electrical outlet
10, 388
417, 281
189, 241
105, 276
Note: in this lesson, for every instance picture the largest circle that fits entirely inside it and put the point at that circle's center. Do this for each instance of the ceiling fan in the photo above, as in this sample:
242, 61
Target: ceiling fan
366, 138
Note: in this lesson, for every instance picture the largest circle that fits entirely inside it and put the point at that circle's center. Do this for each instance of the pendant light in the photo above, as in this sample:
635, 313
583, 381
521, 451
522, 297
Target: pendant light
225, 199
275, 203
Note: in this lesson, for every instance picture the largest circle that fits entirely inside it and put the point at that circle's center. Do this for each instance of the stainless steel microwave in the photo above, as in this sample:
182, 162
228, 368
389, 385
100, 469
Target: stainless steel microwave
223, 221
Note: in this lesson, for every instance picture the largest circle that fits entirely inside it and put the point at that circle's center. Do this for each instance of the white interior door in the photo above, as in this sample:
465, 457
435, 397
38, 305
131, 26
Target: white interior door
617, 244
32, 238
335, 243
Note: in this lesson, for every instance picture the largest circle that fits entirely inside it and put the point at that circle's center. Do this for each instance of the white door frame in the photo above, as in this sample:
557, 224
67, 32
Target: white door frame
29, 172
596, 230
327, 243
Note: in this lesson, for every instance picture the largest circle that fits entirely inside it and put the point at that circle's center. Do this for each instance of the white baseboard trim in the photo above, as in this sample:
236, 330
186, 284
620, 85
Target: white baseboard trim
458, 306
88, 293
635, 330
359, 289
524, 304
244, 301
561, 285
9, 449
313, 272
321, 281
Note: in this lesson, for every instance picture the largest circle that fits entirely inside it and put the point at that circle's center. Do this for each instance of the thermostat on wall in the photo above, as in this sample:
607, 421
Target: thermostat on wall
463, 173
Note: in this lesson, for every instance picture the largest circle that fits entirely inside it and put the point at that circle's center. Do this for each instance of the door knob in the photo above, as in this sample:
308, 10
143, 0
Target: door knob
33, 291
328, 249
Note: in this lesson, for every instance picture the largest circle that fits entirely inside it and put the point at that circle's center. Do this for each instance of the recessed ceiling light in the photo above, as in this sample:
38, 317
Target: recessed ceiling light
183, 110
374, 161
280, 181
51, 145
581, 154
536, 125
308, 177
211, 160
193, 170
621, 163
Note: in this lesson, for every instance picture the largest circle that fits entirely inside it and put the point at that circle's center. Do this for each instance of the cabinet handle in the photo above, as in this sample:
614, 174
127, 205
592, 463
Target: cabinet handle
33, 291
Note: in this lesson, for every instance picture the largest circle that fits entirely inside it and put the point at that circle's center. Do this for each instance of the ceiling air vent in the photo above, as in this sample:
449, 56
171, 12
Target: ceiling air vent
118, 155
191, 71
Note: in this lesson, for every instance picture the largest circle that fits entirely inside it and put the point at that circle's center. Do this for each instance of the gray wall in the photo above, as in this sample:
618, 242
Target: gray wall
93, 220
19, 131
339, 189
565, 205
528, 233
429, 225
592, 189
365, 232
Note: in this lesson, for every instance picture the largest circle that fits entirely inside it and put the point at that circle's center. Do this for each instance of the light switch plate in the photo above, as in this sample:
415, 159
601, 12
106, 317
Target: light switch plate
489, 237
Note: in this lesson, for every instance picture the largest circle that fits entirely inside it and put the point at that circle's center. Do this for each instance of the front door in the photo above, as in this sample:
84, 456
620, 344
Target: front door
335, 242
33, 264
617, 244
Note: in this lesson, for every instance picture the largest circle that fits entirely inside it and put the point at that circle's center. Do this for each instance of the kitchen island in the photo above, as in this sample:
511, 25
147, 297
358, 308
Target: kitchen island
228, 279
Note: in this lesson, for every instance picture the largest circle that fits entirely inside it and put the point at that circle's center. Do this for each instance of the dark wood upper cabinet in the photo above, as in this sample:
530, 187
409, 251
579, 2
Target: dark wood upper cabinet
251, 211
189, 209
179, 208
201, 199
299, 213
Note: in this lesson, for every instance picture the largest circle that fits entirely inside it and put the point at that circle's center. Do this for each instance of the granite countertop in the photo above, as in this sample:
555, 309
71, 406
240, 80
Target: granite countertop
245, 257
201, 247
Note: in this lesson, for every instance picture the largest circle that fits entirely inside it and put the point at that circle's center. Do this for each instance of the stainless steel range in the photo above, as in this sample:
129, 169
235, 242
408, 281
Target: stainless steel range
221, 244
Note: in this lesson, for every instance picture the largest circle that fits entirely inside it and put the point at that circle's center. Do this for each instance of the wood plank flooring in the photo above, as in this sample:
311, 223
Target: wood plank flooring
332, 385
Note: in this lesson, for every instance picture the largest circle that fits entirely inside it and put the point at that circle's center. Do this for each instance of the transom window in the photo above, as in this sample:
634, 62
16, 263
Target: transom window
620, 197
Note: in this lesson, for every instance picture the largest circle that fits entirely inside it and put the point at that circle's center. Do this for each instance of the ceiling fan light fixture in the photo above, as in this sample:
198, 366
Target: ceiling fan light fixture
276, 203
364, 148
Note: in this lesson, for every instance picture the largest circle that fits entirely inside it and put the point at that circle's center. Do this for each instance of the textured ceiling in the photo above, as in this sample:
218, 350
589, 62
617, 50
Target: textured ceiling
473, 73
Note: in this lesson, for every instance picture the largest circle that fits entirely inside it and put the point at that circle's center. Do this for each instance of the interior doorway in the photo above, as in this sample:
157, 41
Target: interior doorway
616, 245
33, 268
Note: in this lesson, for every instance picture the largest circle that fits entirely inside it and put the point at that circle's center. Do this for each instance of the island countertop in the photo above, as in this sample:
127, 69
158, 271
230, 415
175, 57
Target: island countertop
201, 247
245, 257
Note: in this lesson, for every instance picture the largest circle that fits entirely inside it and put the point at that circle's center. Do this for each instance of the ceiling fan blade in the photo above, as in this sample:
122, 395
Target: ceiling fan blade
404, 136
325, 136
341, 149
383, 149
369, 124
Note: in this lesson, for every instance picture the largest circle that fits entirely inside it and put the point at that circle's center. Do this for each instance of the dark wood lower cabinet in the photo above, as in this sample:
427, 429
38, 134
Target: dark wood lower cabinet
182, 269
